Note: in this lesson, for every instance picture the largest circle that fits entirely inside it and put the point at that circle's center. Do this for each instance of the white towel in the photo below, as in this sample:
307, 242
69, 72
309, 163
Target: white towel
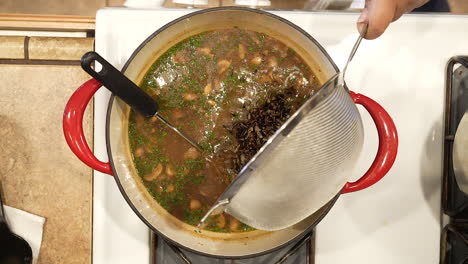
27, 226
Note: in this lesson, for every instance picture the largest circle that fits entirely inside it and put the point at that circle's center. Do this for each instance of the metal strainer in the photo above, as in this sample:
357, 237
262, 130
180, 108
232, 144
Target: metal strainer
303, 165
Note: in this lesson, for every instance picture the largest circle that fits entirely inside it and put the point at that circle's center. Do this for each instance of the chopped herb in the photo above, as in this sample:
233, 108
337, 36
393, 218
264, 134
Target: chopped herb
206, 146
140, 141
210, 135
195, 164
193, 217
198, 179
246, 228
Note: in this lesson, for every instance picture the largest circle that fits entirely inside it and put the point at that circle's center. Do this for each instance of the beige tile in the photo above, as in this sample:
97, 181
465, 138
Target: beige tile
12, 47
114, 2
39, 172
459, 6
53, 48
53, 7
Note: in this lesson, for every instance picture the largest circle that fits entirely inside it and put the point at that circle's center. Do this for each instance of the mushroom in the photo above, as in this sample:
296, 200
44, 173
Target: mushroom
191, 153
194, 204
233, 224
178, 57
256, 60
177, 114
221, 221
148, 149
223, 65
241, 51
170, 188
207, 89
189, 96
211, 102
154, 174
169, 171
256, 40
205, 51
216, 84
139, 152
272, 62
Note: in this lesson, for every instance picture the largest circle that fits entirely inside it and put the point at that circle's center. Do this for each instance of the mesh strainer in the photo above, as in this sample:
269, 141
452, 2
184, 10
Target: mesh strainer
309, 160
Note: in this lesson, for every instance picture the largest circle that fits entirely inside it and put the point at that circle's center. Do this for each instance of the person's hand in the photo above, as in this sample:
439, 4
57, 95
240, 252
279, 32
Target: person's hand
380, 13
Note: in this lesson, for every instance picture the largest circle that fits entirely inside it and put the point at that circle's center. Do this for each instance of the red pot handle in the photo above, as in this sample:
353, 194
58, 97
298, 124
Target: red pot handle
388, 144
73, 126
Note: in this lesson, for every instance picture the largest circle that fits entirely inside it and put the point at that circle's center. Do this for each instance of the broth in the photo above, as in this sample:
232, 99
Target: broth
216, 87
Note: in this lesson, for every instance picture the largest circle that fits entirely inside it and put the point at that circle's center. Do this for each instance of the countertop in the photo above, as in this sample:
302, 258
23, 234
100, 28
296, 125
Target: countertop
39, 173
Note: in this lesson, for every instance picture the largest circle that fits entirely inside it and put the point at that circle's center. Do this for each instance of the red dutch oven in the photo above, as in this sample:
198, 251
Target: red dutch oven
120, 165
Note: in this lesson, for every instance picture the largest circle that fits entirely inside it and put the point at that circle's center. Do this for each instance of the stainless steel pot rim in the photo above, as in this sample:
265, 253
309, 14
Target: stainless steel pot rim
327, 206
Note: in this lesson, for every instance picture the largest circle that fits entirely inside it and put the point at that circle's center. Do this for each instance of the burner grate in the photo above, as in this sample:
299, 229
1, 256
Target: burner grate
454, 237
454, 201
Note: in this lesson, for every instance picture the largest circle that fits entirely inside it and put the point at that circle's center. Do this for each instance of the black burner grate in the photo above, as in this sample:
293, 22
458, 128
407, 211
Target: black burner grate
454, 238
454, 201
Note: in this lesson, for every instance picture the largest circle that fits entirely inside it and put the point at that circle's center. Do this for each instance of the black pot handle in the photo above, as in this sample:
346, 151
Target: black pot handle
119, 84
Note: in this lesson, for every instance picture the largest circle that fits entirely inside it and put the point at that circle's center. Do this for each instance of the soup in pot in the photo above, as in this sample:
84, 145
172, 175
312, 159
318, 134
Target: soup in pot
229, 90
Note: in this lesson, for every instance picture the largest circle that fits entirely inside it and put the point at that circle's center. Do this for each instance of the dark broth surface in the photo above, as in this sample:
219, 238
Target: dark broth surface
227, 89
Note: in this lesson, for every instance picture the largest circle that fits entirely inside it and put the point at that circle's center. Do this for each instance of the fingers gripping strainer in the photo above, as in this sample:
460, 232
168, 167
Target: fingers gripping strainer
309, 160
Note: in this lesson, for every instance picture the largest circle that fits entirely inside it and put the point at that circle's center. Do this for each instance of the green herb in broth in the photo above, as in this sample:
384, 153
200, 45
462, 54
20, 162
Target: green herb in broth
203, 85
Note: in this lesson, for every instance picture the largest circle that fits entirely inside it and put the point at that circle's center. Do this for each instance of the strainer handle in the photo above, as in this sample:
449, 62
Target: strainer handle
388, 144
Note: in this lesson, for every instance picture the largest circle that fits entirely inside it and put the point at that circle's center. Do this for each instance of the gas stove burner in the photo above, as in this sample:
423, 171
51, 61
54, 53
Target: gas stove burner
299, 252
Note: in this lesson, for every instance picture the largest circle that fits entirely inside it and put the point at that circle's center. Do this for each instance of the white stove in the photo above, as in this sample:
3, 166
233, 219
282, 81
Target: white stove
396, 221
